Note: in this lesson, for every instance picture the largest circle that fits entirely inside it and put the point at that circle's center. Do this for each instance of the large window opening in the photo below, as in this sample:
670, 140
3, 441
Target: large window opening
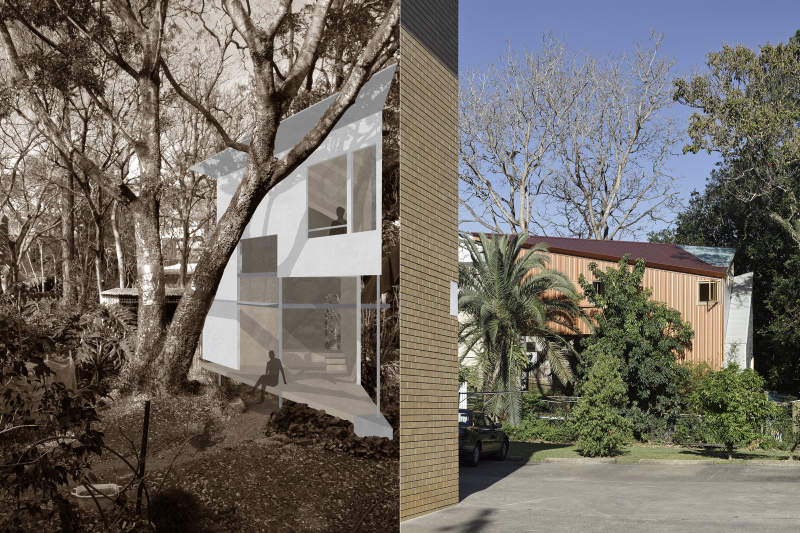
259, 294
328, 197
319, 326
364, 189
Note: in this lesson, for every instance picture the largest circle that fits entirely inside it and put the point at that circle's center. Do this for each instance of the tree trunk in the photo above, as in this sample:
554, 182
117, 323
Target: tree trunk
41, 261
185, 250
99, 253
83, 289
118, 245
5, 253
13, 264
150, 275
67, 240
147, 231
187, 324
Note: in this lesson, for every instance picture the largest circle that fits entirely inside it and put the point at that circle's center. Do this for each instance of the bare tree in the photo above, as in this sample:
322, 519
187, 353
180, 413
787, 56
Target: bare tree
189, 199
564, 143
613, 146
509, 119
27, 199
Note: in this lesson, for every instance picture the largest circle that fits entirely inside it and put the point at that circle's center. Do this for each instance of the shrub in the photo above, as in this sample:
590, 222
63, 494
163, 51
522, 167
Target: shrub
647, 426
695, 374
46, 431
531, 428
106, 340
734, 405
646, 336
531, 404
692, 429
599, 426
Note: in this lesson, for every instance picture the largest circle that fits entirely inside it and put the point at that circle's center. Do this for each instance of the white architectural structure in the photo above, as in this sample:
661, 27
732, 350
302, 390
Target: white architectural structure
308, 264
739, 324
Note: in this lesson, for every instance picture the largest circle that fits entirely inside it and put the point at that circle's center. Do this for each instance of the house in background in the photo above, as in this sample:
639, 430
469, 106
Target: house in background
307, 266
697, 281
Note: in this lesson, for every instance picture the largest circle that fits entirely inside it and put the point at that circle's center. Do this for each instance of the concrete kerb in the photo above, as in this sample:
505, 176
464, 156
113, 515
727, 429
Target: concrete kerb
613, 460
570, 460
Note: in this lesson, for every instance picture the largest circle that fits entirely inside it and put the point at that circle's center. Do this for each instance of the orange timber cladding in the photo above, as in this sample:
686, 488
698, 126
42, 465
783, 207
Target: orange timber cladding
676, 289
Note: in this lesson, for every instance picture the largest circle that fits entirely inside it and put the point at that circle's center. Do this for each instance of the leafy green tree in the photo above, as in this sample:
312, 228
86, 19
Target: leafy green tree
600, 427
734, 405
718, 217
502, 298
646, 336
748, 110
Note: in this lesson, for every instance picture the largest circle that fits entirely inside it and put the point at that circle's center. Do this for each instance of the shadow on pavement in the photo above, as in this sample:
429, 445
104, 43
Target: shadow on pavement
490, 471
717, 453
479, 523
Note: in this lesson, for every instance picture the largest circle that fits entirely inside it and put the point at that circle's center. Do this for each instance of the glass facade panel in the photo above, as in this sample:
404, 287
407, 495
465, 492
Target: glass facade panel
327, 198
259, 254
319, 290
258, 334
369, 293
319, 341
364, 189
262, 289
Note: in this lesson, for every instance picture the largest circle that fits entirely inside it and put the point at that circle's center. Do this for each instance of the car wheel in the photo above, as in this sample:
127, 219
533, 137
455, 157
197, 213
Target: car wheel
475, 457
501, 455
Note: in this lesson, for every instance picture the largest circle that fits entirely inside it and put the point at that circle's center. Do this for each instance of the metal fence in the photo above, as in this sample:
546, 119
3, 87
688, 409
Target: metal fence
782, 431
543, 407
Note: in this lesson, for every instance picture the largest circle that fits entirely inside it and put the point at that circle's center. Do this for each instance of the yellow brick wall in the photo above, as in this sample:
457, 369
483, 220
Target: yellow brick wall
428, 262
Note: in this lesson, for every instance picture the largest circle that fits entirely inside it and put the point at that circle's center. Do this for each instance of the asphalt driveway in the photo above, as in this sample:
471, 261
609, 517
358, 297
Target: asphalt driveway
558, 497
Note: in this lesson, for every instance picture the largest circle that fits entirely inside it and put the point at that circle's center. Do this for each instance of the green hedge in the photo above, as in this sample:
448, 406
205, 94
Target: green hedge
531, 428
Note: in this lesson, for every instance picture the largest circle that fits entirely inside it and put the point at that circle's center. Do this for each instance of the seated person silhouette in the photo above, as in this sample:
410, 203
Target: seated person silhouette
272, 374
340, 221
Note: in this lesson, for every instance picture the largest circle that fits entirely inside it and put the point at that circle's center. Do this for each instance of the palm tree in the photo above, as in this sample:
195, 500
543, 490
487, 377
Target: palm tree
506, 294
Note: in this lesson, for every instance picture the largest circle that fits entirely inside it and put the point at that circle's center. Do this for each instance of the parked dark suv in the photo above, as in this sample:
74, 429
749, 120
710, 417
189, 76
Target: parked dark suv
479, 436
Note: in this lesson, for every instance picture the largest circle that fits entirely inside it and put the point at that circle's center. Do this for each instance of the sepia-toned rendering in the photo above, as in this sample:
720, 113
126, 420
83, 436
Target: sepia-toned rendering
210, 338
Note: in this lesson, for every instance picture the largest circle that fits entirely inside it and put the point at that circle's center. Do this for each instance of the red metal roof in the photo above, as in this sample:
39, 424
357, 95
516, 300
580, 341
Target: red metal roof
656, 255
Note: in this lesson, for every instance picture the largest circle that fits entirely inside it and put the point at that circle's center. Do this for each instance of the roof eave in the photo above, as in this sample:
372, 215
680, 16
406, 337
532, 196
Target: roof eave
721, 273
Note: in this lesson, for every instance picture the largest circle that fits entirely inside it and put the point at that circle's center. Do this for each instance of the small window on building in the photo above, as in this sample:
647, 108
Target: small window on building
327, 198
707, 292
364, 189
599, 287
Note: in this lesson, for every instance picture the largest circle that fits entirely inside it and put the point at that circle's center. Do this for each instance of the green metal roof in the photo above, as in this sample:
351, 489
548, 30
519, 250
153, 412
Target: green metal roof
720, 257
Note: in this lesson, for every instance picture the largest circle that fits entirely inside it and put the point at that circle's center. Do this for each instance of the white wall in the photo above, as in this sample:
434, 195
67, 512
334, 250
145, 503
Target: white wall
284, 212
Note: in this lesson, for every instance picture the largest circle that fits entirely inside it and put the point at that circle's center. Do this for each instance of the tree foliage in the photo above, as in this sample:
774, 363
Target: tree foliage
646, 336
719, 217
46, 430
733, 404
748, 110
600, 427
502, 297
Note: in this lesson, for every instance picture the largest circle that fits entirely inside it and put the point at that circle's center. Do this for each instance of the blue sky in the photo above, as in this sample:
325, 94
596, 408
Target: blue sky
691, 29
